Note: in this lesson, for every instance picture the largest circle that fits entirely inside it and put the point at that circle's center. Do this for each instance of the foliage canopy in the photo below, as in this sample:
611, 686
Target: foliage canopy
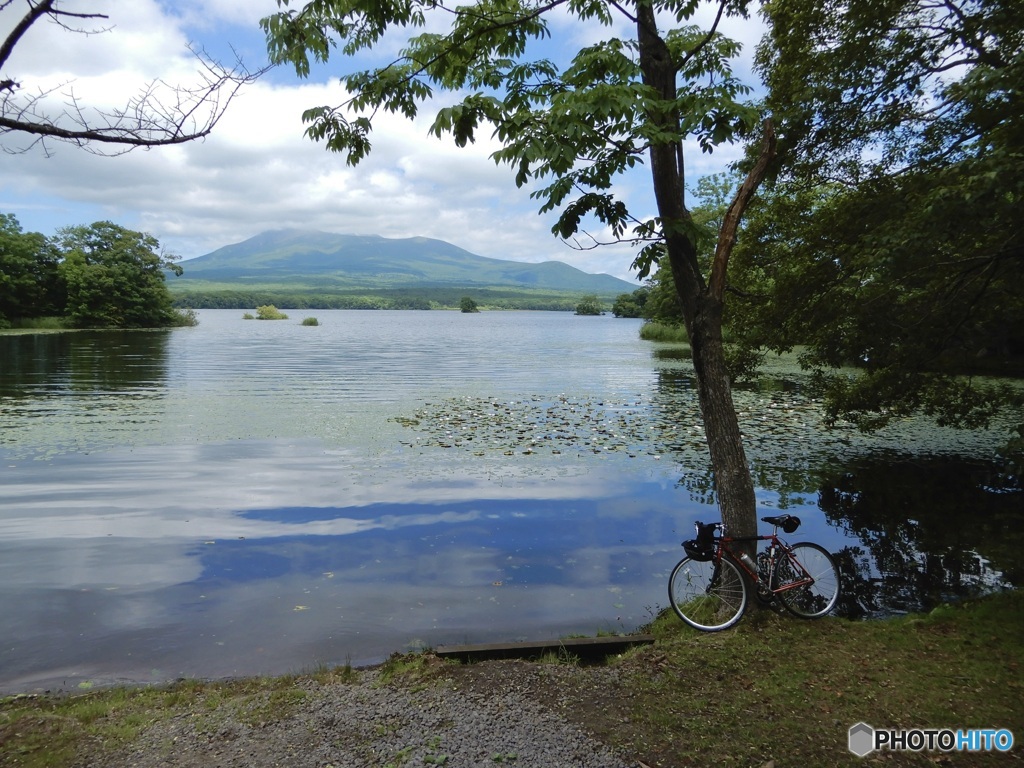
100, 275
893, 239
29, 283
114, 277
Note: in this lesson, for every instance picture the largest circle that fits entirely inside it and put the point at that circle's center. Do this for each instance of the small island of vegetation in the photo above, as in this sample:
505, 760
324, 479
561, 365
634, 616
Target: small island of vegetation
590, 305
96, 276
270, 312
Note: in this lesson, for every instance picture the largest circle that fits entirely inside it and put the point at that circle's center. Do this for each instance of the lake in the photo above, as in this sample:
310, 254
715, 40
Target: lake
262, 497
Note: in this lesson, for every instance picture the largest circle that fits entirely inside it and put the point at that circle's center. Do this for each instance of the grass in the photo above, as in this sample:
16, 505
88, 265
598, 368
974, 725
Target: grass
181, 317
652, 331
561, 656
39, 324
184, 317
774, 688
51, 731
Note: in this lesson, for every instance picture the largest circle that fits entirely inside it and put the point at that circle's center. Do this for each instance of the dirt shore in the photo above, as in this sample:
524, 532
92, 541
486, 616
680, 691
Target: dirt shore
494, 713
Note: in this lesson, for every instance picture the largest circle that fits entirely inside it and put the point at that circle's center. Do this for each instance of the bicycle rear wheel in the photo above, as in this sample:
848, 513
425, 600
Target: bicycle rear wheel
707, 596
810, 601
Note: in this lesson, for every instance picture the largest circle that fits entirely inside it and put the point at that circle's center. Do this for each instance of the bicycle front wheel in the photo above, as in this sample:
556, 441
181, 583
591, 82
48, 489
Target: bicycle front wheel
810, 601
707, 596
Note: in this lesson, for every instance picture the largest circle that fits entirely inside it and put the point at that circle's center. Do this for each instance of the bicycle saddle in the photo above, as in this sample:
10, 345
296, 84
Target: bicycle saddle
788, 523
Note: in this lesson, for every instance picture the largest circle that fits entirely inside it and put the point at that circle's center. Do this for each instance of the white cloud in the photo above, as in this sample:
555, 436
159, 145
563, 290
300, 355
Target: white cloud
257, 171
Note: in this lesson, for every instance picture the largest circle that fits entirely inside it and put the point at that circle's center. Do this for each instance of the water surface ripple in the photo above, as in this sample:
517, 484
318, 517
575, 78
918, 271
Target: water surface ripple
251, 497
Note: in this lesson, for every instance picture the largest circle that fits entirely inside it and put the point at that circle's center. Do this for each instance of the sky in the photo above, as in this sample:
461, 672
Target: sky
257, 171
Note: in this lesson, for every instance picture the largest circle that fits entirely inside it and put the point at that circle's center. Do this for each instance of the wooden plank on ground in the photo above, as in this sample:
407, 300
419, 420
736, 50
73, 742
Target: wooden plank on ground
590, 649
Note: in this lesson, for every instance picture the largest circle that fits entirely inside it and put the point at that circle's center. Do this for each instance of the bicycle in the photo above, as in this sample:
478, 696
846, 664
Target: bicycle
708, 590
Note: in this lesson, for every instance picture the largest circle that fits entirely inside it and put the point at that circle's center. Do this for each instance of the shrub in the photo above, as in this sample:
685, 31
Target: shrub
310, 321
184, 318
589, 305
270, 312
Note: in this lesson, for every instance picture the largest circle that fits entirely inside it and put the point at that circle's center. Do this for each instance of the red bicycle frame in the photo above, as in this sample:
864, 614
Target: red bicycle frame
776, 550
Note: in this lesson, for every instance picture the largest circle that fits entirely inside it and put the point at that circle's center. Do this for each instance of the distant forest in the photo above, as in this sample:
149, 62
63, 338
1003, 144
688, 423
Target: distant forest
394, 298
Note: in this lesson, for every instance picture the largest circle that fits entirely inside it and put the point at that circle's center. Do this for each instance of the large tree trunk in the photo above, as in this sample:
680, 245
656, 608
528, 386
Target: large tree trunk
702, 301
734, 486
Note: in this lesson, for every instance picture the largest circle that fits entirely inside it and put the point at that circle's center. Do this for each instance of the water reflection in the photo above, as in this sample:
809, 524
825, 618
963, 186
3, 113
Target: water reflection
913, 523
126, 363
103, 582
112, 383
934, 530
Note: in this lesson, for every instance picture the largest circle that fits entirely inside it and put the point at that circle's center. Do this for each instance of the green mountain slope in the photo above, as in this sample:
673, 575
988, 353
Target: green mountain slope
345, 262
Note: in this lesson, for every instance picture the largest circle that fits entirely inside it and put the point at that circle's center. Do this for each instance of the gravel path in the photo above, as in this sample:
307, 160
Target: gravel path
483, 715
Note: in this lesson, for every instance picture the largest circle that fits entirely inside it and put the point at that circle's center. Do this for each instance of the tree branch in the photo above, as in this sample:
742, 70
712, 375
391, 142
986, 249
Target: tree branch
731, 222
159, 115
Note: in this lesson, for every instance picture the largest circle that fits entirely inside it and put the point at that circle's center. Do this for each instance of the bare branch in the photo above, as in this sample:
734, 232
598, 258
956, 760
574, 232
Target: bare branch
160, 114
34, 14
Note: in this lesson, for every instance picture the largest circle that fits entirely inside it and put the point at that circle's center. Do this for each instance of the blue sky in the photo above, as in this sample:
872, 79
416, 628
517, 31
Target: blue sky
257, 171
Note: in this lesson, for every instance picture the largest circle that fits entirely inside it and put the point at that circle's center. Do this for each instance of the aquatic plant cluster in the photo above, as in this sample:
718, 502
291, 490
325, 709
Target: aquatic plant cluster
787, 442
562, 425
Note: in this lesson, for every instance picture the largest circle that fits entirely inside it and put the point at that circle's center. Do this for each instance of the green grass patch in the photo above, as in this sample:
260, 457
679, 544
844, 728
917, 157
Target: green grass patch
781, 689
562, 656
414, 670
40, 324
45, 732
652, 331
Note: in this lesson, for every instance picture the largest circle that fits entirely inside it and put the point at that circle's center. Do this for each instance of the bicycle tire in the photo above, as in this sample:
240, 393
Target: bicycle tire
815, 600
707, 606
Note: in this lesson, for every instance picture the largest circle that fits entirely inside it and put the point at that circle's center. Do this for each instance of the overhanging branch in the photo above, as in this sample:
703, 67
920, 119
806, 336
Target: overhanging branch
159, 115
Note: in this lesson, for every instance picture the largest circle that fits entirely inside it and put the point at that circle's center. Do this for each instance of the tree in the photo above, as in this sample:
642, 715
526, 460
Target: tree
467, 305
29, 283
159, 115
896, 224
578, 128
589, 305
115, 277
631, 304
662, 304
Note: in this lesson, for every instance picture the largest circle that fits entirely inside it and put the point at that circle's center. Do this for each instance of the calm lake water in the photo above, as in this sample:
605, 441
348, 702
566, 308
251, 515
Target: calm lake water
249, 497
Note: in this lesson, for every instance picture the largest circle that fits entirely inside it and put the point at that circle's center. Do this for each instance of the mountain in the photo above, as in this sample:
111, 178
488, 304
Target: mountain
293, 257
